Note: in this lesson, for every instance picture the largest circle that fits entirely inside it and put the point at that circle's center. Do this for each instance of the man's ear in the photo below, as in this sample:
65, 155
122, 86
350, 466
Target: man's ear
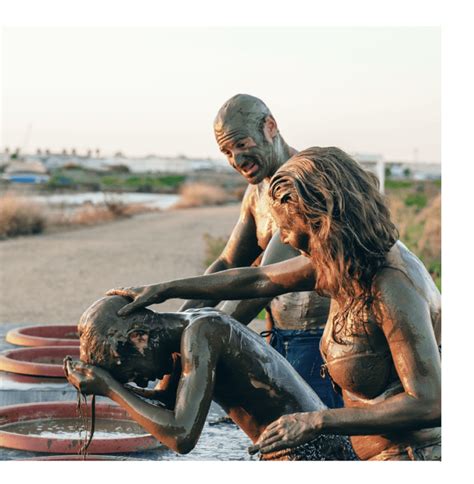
139, 339
270, 128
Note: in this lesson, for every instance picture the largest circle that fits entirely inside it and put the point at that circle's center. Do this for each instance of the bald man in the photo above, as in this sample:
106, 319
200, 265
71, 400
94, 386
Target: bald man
248, 135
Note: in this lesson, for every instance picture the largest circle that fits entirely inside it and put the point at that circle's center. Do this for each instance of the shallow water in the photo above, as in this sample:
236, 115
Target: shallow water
71, 428
156, 200
224, 441
217, 442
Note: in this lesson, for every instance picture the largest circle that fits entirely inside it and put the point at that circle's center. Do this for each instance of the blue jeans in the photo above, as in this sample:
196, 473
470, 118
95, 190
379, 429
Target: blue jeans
301, 349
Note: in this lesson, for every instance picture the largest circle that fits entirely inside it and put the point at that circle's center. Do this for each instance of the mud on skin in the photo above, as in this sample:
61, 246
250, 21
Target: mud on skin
220, 358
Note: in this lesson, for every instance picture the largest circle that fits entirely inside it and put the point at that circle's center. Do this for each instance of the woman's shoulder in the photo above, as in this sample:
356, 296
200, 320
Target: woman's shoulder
402, 274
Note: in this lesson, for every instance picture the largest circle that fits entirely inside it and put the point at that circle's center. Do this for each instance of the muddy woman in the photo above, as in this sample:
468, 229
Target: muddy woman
381, 342
248, 135
219, 359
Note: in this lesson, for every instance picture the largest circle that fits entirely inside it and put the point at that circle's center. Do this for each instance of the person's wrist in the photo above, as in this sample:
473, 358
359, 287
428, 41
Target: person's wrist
110, 386
319, 421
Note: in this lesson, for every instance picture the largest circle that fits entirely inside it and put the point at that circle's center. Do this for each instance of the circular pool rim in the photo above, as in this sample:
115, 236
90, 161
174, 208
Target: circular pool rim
28, 335
91, 457
35, 443
11, 360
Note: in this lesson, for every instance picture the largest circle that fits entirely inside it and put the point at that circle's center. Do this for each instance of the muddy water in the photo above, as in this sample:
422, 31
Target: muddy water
217, 442
70, 428
223, 441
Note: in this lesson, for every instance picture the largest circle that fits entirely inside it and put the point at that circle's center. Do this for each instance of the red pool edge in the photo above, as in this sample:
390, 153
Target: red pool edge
22, 360
43, 335
89, 457
33, 411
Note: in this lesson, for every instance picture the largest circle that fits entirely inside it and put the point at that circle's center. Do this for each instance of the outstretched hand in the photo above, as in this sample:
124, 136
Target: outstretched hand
286, 432
88, 379
141, 296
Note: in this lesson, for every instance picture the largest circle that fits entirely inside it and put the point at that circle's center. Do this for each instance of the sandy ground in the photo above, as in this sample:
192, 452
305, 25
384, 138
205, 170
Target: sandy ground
52, 278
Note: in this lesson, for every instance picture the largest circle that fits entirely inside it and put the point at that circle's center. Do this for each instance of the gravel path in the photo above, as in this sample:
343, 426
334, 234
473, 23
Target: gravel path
52, 278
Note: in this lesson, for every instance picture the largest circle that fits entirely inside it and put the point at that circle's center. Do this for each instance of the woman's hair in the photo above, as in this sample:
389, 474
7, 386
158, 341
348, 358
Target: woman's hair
348, 223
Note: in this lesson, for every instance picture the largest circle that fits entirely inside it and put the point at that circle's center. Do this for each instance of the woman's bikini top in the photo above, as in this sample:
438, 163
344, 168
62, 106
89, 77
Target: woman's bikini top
362, 363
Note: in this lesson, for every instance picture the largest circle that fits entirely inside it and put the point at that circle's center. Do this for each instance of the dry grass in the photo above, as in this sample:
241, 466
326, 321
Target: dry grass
202, 194
20, 216
90, 214
420, 225
430, 240
214, 247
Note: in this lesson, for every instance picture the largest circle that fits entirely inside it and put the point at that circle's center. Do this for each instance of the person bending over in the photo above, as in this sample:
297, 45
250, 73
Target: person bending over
216, 358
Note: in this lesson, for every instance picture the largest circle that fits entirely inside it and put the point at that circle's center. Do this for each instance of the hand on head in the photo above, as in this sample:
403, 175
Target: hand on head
141, 297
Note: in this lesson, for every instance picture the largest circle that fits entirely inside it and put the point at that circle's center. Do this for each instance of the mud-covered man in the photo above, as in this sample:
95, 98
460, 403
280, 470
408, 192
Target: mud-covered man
219, 359
248, 135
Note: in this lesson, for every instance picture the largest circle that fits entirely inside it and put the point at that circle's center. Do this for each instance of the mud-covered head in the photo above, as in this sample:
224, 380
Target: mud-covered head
248, 135
125, 346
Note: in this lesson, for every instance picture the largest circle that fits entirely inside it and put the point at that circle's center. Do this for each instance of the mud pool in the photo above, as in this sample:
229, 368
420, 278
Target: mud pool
222, 441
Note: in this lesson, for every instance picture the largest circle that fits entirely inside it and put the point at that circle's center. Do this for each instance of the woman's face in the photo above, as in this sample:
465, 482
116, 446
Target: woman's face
293, 227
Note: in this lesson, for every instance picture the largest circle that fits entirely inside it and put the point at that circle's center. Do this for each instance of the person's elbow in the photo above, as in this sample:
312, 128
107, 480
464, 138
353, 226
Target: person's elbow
429, 408
184, 444
432, 412
222, 263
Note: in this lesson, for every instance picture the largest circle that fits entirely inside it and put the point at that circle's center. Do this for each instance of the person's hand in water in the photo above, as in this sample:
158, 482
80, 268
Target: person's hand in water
286, 432
88, 379
141, 296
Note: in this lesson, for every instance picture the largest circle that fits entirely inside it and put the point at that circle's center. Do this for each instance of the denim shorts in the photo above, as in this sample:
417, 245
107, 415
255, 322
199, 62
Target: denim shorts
301, 349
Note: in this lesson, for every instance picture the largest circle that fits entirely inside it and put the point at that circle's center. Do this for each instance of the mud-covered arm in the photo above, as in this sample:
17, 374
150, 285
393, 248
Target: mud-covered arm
240, 251
179, 429
245, 283
248, 309
165, 391
406, 322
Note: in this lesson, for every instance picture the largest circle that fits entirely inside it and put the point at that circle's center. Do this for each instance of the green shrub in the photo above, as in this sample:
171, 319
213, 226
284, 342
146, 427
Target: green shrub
110, 181
60, 181
398, 184
418, 200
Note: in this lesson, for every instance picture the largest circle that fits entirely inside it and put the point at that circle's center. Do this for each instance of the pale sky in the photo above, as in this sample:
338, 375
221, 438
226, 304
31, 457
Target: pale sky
157, 90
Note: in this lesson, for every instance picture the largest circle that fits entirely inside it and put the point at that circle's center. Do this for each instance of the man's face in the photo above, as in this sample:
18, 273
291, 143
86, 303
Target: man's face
249, 153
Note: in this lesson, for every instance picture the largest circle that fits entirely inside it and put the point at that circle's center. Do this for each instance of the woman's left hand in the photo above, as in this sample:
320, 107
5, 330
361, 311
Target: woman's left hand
88, 379
288, 431
141, 296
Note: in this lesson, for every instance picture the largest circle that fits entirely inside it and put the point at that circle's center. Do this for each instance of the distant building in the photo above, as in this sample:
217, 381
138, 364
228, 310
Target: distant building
26, 172
399, 170
375, 163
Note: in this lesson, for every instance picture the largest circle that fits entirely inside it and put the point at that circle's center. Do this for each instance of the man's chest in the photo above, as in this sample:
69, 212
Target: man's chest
265, 226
